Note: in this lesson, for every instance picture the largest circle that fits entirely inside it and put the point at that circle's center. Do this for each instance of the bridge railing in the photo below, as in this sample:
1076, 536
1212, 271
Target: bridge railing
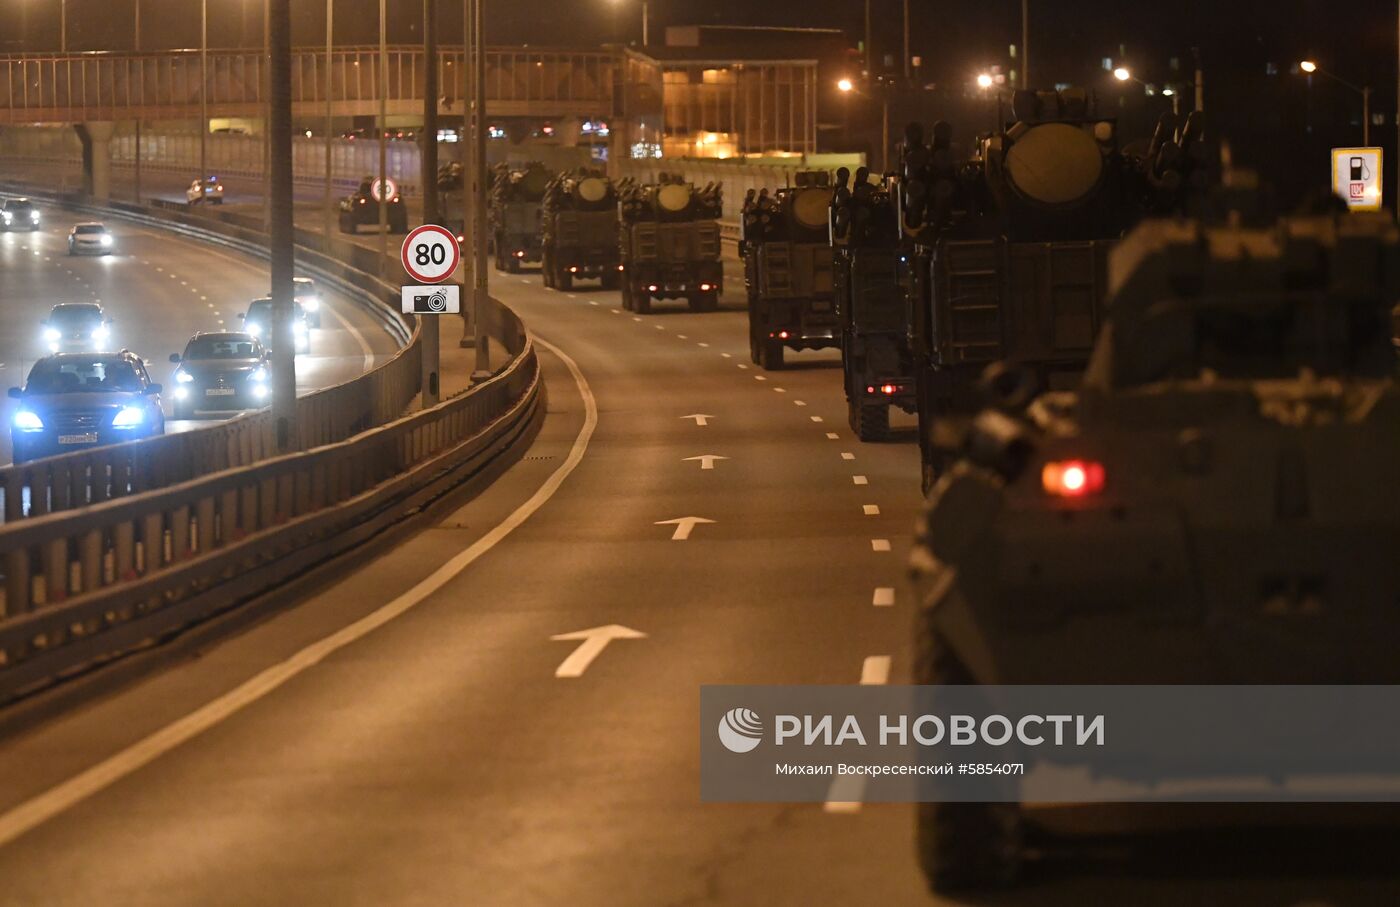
167, 84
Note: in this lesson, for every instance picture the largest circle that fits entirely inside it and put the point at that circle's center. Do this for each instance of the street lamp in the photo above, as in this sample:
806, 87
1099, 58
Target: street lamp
846, 86
984, 81
1311, 68
645, 18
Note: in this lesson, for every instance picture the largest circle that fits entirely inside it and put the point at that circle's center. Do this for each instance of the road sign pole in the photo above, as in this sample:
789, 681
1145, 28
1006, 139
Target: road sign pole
429, 334
480, 299
284, 378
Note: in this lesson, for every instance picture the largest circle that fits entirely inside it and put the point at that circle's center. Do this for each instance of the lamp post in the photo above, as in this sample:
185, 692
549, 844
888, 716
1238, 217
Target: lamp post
284, 382
428, 332
330, 82
1311, 68
480, 298
985, 82
136, 46
203, 96
383, 128
63, 27
847, 87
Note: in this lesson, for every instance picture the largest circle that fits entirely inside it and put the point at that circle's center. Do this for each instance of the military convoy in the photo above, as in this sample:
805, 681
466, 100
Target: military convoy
1208, 507
670, 243
788, 275
578, 230
871, 285
514, 217
1009, 251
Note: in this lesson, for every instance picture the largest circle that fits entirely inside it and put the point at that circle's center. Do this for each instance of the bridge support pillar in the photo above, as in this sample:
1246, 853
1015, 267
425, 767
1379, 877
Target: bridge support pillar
97, 157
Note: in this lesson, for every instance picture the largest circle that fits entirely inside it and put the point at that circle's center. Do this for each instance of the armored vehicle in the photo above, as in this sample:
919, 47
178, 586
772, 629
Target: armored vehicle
669, 240
514, 218
579, 230
451, 205
1212, 506
871, 284
788, 269
362, 209
1010, 249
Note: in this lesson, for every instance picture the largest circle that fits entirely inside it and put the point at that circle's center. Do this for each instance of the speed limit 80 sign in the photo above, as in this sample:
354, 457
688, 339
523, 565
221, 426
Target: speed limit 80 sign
430, 253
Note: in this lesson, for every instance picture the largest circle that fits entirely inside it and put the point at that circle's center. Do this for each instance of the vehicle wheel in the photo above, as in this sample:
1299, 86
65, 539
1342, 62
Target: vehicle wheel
870, 421
963, 846
770, 355
513, 265
565, 281
641, 303
753, 346
626, 296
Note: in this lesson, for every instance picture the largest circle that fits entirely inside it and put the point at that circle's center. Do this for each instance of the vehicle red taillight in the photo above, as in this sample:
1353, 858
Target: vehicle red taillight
704, 286
888, 389
1072, 478
519, 253
651, 288
783, 335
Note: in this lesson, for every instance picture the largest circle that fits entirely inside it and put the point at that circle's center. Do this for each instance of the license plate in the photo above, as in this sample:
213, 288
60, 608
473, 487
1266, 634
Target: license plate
219, 392
89, 438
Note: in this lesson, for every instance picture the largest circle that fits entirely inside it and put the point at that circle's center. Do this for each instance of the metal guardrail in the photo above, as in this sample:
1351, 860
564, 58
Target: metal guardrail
81, 478
85, 586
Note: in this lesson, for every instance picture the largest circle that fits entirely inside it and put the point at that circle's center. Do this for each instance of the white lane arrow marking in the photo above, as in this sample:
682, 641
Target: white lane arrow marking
684, 526
594, 642
701, 419
707, 461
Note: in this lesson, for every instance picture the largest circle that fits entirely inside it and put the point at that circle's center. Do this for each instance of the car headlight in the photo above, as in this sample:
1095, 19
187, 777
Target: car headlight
253, 328
299, 328
260, 391
52, 335
182, 393
105, 240
34, 216
24, 420
101, 335
7, 216
129, 417
258, 375
310, 303
184, 377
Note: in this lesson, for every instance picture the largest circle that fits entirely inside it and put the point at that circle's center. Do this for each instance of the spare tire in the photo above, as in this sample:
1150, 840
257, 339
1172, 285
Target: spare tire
1055, 164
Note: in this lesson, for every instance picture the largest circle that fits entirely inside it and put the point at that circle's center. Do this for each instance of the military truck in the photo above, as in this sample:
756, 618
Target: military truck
452, 212
514, 216
1211, 506
1010, 249
870, 283
669, 241
579, 230
787, 259
361, 208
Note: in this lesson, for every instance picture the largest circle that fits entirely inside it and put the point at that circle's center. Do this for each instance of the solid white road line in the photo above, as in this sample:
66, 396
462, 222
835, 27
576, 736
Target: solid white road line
884, 597
45, 806
843, 797
365, 348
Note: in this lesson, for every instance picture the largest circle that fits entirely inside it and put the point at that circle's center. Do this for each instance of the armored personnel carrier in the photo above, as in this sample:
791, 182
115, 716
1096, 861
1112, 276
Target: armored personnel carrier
788, 269
1213, 505
579, 230
514, 217
871, 284
1010, 249
669, 241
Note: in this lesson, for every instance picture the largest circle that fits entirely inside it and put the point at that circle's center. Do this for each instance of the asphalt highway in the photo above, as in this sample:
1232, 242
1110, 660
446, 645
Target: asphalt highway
418, 733
159, 288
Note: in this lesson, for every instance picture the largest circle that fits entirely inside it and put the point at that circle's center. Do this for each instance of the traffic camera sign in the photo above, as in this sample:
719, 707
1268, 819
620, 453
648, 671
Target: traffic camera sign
430, 253
1356, 177
432, 300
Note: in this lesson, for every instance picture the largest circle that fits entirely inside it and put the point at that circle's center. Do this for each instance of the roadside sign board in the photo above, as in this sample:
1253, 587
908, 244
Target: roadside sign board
430, 253
433, 300
1356, 177
378, 189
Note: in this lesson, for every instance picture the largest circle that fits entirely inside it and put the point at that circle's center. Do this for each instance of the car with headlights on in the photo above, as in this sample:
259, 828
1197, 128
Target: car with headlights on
73, 401
76, 327
90, 239
220, 371
308, 296
258, 322
19, 214
205, 190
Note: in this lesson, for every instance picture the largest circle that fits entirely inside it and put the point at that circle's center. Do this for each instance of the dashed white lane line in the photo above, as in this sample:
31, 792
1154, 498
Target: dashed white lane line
879, 544
843, 797
703, 345
832, 436
780, 390
758, 377
743, 365
799, 403
847, 455
615, 311
727, 355
682, 337
818, 419
870, 509
660, 327
883, 597
860, 480
635, 318
592, 302
60, 798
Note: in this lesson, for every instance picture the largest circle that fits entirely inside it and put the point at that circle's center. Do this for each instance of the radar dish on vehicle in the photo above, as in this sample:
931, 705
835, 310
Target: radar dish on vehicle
592, 189
672, 197
1055, 164
809, 207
